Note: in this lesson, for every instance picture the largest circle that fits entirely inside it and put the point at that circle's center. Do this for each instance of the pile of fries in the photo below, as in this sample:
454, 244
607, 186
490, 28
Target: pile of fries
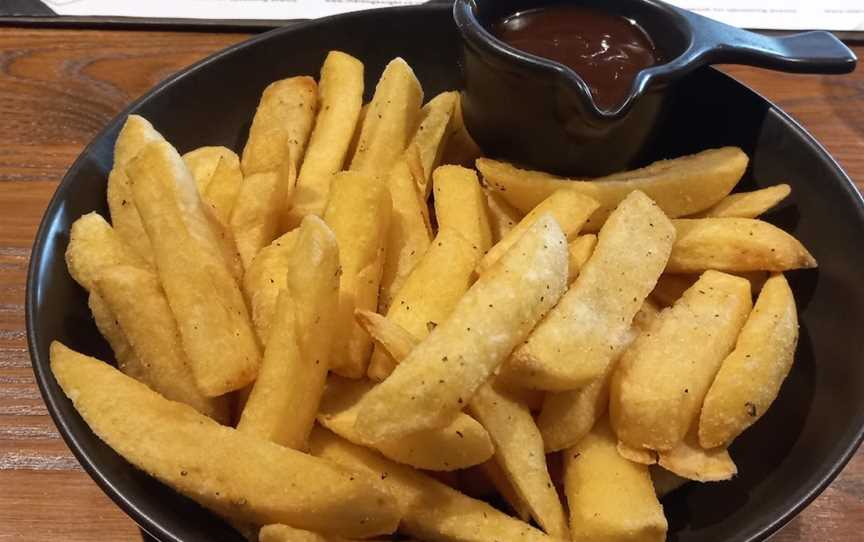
345, 332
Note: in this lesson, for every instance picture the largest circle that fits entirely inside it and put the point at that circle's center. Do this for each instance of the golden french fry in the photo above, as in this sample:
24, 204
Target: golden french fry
265, 278
202, 163
601, 485
137, 132
286, 395
670, 287
580, 250
748, 204
223, 189
519, 452
94, 246
665, 482
502, 216
568, 416
359, 214
391, 120
461, 150
637, 455
281, 126
680, 187
286, 533
734, 245
211, 314
127, 360
495, 474
136, 300
579, 338
460, 205
409, 235
570, 209
238, 476
430, 510
430, 292
340, 99
439, 377
461, 444
256, 214
689, 460
661, 381
647, 315
431, 136
396, 341
750, 377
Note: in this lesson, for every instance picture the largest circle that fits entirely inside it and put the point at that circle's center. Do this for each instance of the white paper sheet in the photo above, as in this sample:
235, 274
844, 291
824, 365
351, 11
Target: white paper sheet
841, 15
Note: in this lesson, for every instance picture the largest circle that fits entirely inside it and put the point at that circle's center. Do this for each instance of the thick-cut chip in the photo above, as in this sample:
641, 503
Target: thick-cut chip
680, 187
243, 478
359, 214
646, 316
214, 323
340, 95
390, 121
127, 360
461, 150
637, 455
281, 126
138, 304
431, 136
94, 246
394, 339
578, 340
459, 445
580, 250
137, 132
750, 377
265, 278
430, 292
691, 461
461, 205
409, 234
223, 188
439, 377
748, 204
503, 217
734, 245
665, 482
285, 533
495, 474
430, 509
286, 395
670, 287
610, 498
519, 452
568, 416
256, 215
663, 377
570, 209
202, 163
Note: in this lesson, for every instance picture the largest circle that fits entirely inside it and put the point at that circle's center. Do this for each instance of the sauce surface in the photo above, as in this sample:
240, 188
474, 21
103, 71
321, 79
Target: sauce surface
606, 50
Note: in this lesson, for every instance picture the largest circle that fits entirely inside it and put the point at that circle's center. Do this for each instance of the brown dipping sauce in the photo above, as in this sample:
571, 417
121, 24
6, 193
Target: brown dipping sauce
606, 50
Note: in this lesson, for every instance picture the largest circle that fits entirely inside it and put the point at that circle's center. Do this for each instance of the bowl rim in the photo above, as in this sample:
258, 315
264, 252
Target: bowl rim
41, 365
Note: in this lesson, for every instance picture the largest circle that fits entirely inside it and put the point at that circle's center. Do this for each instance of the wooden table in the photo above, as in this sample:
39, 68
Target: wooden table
59, 87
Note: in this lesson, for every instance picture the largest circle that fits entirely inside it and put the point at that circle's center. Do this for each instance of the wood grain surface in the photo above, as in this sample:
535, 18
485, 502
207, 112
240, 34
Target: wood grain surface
59, 87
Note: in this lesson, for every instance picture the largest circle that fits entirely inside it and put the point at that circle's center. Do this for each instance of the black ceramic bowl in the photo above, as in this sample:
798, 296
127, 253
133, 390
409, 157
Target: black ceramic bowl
785, 460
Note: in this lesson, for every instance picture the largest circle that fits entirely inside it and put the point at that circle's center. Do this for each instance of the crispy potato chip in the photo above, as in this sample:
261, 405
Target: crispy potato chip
94, 246
748, 204
503, 217
637, 455
461, 444
409, 235
461, 150
431, 136
430, 292
340, 95
570, 209
285, 533
600, 485
281, 126
665, 482
240, 477
580, 250
519, 452
750, 377
265, 279
137, 132
127, 360
661, 381
135, 298
390, 121
439, 376
680, 187
577, 341
214, 323
396, 341
430, 509
460, 205
689, 460
359, 214
734, 245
